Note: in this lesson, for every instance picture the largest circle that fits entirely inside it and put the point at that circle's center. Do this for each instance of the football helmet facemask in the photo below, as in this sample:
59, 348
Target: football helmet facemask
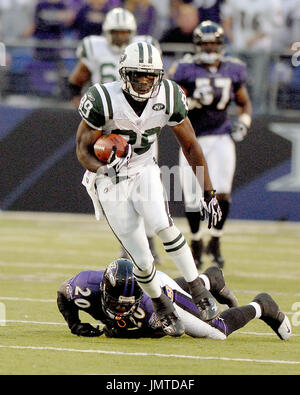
119, 27
141, 70
121, 293
209, 41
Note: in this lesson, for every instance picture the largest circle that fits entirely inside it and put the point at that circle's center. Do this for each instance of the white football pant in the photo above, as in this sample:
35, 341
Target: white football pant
219, 152
127, 203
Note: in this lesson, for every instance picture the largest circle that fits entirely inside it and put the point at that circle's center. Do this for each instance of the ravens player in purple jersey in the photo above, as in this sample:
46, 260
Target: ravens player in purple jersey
212, 82
114, 298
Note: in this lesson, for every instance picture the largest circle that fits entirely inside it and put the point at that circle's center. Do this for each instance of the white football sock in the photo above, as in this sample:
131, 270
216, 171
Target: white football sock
177, 248
257, 309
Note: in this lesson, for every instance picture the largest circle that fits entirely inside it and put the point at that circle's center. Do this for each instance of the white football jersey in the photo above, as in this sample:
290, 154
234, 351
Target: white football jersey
289, 31
101, 59
105, 107
251, 17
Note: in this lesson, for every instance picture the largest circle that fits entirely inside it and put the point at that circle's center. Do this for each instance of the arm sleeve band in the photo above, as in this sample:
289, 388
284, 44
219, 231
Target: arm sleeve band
74, 90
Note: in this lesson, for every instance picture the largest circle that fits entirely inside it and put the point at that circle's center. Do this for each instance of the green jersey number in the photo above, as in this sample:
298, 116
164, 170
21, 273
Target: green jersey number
146, 139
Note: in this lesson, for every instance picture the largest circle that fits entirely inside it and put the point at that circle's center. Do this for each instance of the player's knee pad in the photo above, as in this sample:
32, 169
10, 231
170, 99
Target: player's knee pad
173, 240
142, 262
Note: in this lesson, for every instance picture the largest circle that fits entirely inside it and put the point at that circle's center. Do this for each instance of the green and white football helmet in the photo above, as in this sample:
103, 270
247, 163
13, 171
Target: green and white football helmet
119, 20
139, 60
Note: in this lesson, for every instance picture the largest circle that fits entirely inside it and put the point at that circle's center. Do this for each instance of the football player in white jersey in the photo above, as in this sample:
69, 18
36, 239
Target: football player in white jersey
99, 63
249, 25
129, 189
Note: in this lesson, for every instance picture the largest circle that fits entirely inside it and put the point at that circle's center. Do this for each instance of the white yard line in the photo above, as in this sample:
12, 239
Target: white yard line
233, 226
52, 251
64, 324
16, 299
158, 355
65, 266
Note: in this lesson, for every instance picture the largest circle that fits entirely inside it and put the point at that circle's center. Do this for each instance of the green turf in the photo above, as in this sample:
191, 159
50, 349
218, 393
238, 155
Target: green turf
39, 252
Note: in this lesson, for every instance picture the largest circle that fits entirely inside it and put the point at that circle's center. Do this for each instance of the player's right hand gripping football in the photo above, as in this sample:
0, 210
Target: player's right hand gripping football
211, 208
115, 163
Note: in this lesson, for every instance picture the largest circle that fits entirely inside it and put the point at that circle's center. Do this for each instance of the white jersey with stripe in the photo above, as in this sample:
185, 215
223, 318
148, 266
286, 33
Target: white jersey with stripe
105, 107
101, 59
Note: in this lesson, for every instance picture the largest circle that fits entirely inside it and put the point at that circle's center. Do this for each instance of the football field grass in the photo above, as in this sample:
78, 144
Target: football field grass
39, 251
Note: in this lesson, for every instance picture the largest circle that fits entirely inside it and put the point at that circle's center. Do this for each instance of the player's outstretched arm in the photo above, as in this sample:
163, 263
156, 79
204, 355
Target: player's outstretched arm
243, 102
70, 312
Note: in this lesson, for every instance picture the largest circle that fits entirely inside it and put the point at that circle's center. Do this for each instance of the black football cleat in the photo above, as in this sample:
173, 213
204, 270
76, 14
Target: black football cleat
218, 288
213, 251
203, 299
170, 322
273, 316
197, 249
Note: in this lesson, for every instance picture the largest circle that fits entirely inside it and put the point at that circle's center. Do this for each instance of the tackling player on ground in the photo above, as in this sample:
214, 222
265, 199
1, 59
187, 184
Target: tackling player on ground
211, 82
129, 189
114, 298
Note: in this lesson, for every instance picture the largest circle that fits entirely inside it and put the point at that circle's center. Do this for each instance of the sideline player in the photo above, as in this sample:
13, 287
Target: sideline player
129, 189
211, 82
114, 298
98, 62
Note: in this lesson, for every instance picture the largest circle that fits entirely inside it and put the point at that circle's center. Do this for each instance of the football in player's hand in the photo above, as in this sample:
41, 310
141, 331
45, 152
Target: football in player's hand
103, 147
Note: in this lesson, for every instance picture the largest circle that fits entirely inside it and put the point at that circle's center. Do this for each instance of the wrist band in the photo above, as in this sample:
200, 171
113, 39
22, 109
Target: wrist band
74, 90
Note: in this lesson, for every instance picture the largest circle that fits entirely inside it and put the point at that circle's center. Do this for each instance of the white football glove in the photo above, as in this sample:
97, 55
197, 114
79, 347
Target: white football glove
210, 208
239, 131
115, 163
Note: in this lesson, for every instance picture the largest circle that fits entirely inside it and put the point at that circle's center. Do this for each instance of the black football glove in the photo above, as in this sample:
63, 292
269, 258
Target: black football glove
114, 332
210, 208
239, 131
86, 330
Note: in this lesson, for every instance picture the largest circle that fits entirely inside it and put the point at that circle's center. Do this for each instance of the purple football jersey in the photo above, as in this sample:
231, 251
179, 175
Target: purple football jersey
85, 292
214, 88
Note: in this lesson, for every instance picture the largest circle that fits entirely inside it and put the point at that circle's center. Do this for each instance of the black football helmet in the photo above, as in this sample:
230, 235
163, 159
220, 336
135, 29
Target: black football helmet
121, 293
209, 41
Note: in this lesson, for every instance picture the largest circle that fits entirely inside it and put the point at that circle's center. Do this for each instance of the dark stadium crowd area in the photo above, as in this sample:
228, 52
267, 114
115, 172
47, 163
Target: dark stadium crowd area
41, 37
